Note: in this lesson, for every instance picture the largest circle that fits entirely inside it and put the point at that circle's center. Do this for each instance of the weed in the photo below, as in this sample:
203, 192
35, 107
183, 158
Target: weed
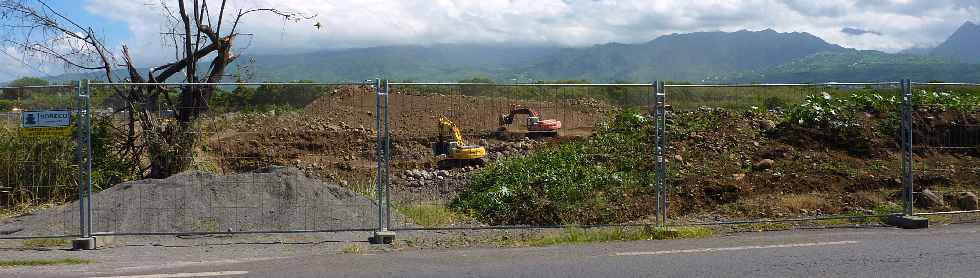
45, 243
837, 168
352, 249
366, 189
209, 224
68, 261
804, 202
887, 208
854, 217
939, 219
430, 215
763, 227
576, 235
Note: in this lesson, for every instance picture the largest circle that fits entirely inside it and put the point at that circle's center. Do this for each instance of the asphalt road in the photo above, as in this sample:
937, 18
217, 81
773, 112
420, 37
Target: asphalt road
950, 251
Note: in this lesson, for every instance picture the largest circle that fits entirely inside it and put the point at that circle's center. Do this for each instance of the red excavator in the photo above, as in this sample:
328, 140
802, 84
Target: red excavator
535, 125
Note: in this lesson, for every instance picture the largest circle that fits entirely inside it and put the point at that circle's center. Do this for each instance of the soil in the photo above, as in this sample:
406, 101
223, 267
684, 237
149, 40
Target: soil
812, 171
335, 137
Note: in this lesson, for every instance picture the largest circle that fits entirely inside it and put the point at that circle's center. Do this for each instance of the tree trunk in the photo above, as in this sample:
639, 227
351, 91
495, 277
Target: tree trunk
171, 151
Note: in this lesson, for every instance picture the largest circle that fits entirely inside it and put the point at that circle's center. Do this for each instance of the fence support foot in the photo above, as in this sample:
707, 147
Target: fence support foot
907, 221
382, 237
85, 243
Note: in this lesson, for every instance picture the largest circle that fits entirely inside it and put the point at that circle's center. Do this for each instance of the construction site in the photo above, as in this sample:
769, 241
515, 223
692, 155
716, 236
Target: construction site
495, 155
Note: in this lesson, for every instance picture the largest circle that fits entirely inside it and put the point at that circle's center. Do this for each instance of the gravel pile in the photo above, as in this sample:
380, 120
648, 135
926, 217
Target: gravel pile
265, 200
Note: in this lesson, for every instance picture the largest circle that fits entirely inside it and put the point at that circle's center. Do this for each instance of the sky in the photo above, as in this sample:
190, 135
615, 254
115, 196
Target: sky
886, 25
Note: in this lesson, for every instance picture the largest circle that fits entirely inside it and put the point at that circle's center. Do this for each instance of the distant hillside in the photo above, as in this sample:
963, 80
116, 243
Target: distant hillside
695, 56
857, 66
709, 57
963, 45
434, 63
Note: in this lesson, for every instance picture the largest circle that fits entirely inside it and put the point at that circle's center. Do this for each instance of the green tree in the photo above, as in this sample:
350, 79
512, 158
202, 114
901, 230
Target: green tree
28, 81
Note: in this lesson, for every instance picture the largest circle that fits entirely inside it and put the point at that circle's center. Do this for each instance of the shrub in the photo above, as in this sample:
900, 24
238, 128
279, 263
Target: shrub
586, 182
774, 103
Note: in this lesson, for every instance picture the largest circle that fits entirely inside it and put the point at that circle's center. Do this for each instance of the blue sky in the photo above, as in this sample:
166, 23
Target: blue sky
73, 9
886, 25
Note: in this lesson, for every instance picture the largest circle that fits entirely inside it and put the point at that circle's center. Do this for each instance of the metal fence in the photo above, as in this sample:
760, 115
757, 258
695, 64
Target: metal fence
945, 132
782, 152
379, 156
41, 169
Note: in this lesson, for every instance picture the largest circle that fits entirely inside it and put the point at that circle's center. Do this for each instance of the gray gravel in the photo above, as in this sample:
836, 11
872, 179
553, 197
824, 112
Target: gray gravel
267, 200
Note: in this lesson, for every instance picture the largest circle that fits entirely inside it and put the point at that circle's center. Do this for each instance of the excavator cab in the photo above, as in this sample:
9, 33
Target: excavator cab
535, 125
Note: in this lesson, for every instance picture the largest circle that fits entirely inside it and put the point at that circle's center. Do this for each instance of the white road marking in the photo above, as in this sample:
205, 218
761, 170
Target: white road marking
708, 250
182, 275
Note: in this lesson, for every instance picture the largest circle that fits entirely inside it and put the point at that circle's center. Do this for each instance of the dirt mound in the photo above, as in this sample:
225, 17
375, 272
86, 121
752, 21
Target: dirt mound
949, 129
272, 199
334, 137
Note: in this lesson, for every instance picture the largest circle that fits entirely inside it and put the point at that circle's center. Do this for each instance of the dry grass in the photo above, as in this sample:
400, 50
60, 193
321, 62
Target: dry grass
19, 263
575, 235
805, 203
352, 249
431, 215
46, 243
763, 227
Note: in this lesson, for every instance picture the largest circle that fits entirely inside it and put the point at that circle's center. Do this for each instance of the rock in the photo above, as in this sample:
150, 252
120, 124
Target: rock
765, 164
766, 124
678, 158
929, 199
966, 201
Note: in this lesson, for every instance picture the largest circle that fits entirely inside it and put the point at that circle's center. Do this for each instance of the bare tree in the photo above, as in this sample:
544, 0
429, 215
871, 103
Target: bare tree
202, 38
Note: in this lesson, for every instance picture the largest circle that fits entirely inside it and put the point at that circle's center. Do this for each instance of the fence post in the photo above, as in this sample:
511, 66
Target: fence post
84, 154
907, 175
387, 157
907, 219
382, 235
660, 122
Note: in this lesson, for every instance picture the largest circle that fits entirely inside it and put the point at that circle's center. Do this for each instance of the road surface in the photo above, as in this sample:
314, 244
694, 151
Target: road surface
949, 251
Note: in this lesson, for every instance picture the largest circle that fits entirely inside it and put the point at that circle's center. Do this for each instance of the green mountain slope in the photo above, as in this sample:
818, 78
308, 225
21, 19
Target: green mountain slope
431, 63
856, 66
695, 56
711, 57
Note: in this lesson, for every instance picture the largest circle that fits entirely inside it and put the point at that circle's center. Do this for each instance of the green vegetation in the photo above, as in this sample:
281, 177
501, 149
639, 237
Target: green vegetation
620, 96
863, 66
267, 97
763, 227
599, 180
352, 249
44, 170
430, 215
46, 242
576, 235
21, 263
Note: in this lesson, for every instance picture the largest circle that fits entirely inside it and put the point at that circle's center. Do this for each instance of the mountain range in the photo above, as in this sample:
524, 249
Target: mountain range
709, 57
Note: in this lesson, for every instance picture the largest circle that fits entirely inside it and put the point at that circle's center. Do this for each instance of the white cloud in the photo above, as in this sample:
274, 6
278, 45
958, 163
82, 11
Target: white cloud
365, 23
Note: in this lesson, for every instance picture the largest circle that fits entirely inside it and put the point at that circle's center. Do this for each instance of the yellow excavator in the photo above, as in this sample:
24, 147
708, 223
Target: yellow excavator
451, 145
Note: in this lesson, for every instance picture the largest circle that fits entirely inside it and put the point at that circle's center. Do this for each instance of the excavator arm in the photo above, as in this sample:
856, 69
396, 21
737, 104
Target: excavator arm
448, 128
517, 110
